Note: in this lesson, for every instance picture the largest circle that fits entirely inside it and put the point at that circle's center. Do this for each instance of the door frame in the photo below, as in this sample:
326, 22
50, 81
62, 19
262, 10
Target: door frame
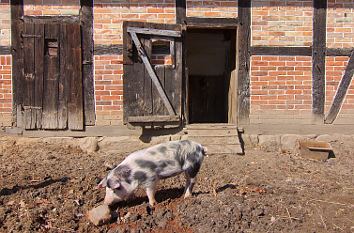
217, 24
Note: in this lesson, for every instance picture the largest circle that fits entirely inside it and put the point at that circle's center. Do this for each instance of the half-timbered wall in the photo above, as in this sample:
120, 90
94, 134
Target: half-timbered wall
5, 64
280, 85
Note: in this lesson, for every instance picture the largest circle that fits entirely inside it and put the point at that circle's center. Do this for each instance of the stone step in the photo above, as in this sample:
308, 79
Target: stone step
217, 140
212, 132
224, 149
210, 126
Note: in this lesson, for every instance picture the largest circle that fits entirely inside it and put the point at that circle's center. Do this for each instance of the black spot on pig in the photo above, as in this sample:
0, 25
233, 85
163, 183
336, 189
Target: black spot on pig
140, 176
193, 170
180, 159
162, 149
152, 152
146, 164
166, 163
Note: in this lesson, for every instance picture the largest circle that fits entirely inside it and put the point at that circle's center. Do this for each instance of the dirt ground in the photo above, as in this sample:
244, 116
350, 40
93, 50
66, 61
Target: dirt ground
49, 187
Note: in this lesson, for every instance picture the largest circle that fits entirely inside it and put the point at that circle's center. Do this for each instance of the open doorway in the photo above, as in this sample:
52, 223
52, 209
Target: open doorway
210, 62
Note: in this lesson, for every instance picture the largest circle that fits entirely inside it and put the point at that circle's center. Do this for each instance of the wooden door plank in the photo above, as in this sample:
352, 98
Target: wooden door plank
63, 82
39, 62
51, 77
86, 17
178, 77
29, 77
75, 105
152, 73
341, 92
158, 104
147, 92
319, 60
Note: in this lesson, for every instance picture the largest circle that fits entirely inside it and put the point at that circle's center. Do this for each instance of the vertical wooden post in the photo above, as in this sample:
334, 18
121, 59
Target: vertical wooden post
86, 18
244, 56
181, 11
319, 60
17, 59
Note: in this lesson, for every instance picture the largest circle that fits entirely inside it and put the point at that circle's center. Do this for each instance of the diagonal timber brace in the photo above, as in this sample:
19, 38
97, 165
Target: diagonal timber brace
341, 91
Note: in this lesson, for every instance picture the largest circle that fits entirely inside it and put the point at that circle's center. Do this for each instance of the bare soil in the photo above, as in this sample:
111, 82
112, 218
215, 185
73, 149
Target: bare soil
49, 187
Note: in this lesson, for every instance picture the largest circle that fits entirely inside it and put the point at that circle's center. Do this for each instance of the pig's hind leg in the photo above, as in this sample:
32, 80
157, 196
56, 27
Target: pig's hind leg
150, 192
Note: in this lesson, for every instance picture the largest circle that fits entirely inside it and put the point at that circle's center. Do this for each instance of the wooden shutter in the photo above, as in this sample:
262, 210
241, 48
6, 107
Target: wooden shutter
152, 93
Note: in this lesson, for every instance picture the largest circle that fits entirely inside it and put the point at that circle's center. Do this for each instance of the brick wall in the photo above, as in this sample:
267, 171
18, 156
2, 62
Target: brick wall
340, 24
5, 65
282, 22
281, 85
280, 89
51, 7
212, 9
5, 23
5, 90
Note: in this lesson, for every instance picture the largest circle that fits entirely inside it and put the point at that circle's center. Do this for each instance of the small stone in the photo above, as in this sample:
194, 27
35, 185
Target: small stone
100, 215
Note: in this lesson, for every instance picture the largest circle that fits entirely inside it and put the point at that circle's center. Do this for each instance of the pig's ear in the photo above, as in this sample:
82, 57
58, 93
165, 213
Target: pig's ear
113, 184
103, 183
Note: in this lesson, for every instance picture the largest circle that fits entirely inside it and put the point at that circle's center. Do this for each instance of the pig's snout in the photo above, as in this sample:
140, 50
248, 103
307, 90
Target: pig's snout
110, 197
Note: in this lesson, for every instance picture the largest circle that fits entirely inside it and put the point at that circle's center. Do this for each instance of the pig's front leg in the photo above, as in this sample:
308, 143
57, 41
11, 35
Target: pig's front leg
150, 192
189, 186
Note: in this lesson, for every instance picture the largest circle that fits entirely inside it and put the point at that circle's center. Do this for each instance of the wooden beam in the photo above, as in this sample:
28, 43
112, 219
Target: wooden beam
181, 13
86, 19
5, 50
244, 54
108, 49
153, 119
212, 22
52, 19
319, 60
339, 51
281, 51
17, 59
152, 31
341, 92
152, 73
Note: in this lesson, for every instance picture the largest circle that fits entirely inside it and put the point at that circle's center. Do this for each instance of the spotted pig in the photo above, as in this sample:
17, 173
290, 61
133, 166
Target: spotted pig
144, 168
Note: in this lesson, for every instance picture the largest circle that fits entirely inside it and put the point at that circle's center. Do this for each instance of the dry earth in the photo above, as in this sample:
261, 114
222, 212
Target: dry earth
49, 187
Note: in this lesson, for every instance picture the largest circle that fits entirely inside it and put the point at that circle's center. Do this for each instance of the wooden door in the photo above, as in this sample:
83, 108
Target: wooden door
51, 85
152, 93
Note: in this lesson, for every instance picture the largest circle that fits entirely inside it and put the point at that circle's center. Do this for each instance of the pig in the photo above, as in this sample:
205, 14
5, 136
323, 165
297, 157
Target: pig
144, 168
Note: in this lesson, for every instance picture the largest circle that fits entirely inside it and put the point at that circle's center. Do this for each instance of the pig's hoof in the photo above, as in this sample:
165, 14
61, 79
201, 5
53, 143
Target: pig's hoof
150, 209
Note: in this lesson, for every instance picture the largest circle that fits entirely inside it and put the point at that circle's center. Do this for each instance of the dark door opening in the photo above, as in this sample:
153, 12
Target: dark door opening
210, 62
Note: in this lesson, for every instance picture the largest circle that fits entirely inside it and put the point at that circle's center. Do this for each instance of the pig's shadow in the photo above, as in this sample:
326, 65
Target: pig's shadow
161, 195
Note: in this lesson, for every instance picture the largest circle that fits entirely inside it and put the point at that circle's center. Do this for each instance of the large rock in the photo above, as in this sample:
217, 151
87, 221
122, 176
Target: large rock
100, 215
269, 143
88, 144
250, 140
121, 144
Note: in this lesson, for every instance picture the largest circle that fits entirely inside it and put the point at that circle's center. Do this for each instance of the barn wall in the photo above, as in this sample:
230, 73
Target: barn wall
280, 85
5, 65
